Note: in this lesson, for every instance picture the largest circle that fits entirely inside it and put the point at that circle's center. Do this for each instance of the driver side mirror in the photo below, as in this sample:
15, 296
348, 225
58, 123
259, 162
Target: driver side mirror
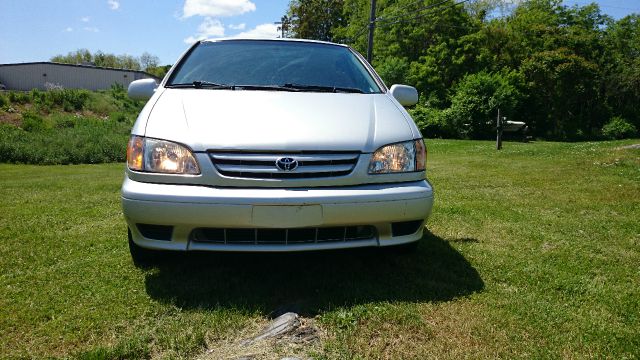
142, 89
405, 94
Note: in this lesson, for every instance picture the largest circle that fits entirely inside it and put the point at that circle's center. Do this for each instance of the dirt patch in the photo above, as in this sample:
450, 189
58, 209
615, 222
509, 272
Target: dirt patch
10, 117
269, 340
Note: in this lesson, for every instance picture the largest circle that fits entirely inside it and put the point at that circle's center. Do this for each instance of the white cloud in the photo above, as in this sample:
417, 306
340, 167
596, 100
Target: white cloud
217, 8
208, 29
85, 19
68, 29
113, 4
262, 31
237, 26
91, 29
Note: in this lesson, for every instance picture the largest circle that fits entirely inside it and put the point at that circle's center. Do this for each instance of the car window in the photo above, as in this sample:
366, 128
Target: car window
247, 62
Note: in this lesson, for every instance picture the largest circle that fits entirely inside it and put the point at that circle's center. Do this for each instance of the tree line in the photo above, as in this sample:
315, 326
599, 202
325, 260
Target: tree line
146, 62
569, 72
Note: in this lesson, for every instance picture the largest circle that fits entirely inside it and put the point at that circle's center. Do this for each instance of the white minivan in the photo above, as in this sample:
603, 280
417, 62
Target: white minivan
273, 145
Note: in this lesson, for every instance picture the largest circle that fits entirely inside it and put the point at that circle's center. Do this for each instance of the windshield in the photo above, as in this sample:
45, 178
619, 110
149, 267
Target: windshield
300, 65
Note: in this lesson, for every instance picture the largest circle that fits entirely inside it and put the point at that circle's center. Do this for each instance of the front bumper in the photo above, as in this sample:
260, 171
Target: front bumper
189, 207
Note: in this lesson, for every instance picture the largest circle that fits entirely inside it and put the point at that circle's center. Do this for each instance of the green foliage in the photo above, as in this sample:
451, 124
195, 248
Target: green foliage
65, 126
18, 97
84, 56
314, 19
578, 66
434, 123
619, 128
147, 62
393, 70
476, 100
68, 140
32, 122
4, 101
66, 99
158, 71
565, 102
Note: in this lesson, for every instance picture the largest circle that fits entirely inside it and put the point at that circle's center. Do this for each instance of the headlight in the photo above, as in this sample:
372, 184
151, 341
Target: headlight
152, 155
401, 157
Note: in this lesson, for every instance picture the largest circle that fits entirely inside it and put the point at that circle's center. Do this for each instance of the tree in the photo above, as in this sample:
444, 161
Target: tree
315, 19
124, 61
565, 70
148, 61
565, 102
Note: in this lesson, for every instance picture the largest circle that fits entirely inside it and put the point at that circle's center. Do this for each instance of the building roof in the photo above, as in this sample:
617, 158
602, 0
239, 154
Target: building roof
81, 66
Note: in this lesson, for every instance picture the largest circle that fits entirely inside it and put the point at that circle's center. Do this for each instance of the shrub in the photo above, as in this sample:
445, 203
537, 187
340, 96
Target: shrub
476, 100
18, 97
88, 141
118, 117
33, 122
4, 102
619, 128
433, 123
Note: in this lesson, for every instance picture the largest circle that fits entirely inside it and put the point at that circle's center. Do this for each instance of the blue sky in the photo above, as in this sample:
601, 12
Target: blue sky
36, 30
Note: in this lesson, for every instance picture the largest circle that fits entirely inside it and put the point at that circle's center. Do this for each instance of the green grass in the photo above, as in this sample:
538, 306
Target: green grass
533, 252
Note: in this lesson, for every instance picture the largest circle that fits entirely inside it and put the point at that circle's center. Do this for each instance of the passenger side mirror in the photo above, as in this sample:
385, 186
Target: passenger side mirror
405, 94
142, 89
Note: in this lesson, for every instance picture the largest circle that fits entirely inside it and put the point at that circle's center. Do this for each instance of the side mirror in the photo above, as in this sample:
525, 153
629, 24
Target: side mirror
406, 95
142, 89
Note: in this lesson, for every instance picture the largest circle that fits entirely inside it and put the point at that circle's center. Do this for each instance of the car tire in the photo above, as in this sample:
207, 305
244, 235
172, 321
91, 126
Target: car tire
140, 255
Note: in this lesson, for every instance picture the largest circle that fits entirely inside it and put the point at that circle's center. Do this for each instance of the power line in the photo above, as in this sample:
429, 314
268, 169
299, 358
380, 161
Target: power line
385, 21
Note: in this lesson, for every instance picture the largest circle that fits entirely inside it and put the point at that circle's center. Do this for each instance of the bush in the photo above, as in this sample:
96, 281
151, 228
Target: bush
67, 99
118, 117
88, 141
433, 123
619, 128
17, 97
476, 100
4, 102
33, 122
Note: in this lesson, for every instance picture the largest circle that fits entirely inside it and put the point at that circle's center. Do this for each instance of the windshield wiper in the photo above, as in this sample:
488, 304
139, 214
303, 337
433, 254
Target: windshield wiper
202, 85
321, 88
265, 87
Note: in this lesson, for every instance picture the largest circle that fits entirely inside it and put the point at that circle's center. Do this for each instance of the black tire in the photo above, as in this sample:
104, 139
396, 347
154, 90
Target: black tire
142, 257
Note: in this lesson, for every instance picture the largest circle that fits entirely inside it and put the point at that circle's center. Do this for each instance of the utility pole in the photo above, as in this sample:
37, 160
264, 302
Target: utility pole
284, 25
372, 26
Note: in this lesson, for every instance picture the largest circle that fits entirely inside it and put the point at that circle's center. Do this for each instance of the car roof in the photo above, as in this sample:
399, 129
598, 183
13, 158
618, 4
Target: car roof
273, 39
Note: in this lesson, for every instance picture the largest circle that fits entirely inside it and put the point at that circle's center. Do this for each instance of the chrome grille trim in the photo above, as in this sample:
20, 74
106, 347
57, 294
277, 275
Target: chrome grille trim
261, 165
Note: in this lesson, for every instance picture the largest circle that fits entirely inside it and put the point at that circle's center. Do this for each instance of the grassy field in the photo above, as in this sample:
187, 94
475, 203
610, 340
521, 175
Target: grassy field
532, 252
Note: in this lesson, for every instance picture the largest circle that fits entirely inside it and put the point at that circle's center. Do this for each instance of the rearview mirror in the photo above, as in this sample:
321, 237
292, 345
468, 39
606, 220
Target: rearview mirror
142, 89
405, 94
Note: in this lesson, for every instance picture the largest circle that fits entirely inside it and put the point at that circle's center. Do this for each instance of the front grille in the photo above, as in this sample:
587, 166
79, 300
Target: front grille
263, 165
248, 236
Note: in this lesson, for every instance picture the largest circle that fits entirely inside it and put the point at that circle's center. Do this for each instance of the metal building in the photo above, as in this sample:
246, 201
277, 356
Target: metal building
40, 75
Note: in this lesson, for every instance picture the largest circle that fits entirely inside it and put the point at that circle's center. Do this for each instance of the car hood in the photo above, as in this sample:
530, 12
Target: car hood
205, 119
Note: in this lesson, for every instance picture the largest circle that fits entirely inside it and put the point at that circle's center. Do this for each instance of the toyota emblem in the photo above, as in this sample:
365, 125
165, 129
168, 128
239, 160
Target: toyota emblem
286, 164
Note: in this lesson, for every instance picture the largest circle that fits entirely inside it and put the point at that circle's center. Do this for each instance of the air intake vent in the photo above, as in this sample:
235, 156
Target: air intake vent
405, 227
156, 232
283, 236
284, 165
